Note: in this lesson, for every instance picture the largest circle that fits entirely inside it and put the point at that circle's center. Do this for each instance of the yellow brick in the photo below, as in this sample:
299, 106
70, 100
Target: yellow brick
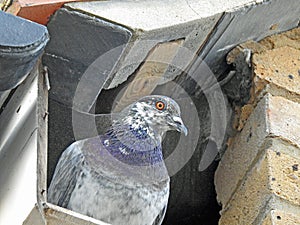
284, 119
285, 176
290, 38
259, 171
273, 176
267, 220
276, 63
277, 217
278, 67
273, 117
246, 203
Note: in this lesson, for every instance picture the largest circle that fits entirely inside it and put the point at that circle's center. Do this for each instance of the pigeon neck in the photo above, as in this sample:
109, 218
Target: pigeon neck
133, 145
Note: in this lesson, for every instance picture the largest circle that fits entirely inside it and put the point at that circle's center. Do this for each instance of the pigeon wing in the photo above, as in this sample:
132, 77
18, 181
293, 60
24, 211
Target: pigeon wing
65, 176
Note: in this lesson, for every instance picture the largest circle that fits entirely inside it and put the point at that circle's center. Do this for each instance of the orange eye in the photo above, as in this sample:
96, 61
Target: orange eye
160, 105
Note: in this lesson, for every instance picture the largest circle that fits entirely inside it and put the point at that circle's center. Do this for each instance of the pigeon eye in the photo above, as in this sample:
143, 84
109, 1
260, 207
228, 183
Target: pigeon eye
160, 105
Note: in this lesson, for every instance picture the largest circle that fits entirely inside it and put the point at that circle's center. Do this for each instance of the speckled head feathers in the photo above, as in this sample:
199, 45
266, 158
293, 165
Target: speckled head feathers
156, 112
136, 134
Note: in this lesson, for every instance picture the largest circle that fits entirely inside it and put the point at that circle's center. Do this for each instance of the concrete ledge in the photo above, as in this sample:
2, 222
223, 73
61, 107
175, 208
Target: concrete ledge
77, 40
155, 22
253, 21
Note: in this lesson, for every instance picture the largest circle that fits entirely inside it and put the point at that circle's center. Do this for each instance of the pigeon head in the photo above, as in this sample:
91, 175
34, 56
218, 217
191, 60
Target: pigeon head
154, 114
136, 133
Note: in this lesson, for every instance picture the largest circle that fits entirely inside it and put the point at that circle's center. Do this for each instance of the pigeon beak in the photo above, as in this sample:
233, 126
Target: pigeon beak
178, 124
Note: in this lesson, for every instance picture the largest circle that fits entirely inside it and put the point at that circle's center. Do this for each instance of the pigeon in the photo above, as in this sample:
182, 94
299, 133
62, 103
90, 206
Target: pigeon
119, 177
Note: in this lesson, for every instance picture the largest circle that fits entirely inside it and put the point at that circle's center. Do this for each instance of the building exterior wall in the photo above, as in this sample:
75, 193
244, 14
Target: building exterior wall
258, 178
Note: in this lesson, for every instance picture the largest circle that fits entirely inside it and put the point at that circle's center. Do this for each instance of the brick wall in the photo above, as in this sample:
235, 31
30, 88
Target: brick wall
258, 178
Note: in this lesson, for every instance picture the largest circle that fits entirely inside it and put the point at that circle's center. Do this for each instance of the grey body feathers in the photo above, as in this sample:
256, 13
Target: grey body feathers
120, 177
76, 187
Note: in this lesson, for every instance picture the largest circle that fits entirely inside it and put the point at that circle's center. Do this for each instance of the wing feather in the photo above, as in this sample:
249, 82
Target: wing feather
65, 176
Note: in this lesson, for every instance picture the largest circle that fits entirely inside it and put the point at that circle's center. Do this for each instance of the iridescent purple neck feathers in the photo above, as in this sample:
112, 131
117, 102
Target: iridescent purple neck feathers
133, 146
